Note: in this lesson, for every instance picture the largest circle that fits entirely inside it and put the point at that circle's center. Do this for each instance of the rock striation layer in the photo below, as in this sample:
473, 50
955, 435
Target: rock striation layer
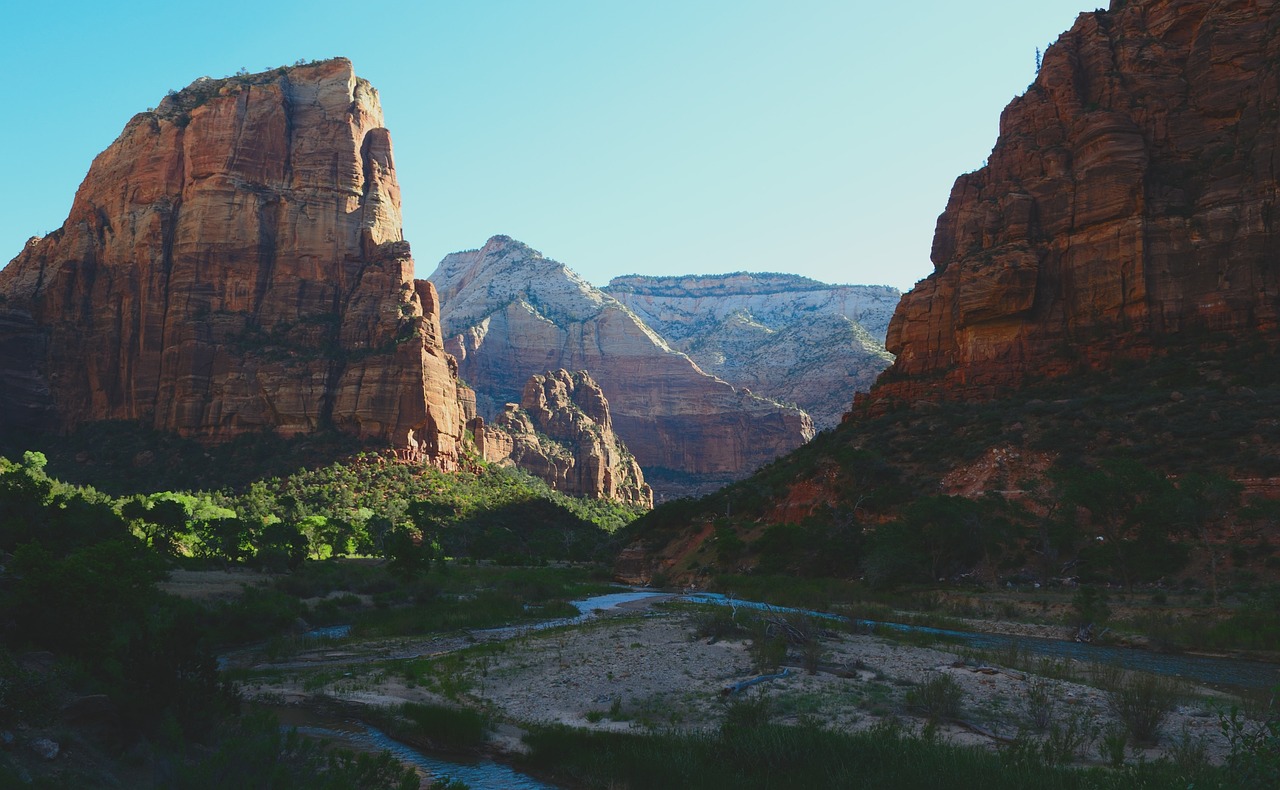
509, 313
789, 338
562, 432
1130, 200
234, 263
25, 404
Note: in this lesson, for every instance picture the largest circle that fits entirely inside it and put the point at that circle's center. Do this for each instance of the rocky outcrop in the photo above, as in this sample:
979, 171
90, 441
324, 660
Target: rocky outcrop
562, 432
1129, 202
234, 263
786, 337
509, 313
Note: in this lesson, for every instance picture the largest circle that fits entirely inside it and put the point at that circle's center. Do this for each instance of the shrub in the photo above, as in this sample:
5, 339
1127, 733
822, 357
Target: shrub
1255, 748
1067, 740
1039, 702
26, 696
1111, 748
256, 752
1189, 752
939, 698
453, 727
1091, 606
767, 651
716, 622
1142, 702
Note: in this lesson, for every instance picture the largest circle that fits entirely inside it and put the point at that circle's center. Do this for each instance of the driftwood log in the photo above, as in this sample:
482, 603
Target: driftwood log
730, 690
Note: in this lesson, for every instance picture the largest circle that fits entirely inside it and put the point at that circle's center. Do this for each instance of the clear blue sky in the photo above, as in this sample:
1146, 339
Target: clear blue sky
819, 137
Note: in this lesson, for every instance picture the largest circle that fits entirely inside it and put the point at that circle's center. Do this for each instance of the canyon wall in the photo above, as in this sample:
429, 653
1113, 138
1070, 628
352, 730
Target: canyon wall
234, 263
1129, 204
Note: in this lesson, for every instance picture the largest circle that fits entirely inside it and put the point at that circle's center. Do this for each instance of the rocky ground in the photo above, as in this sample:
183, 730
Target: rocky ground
646, 668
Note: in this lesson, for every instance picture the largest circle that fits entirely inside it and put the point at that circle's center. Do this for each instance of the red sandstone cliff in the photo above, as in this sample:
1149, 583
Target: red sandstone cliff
234, 262
1131, 196
562, 432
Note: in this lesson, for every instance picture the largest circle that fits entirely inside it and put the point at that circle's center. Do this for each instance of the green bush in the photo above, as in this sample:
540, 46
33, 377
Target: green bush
1255, 746
26, 696
716, 622
255, 754
1142, 703
775, 756
939, 698
454, 728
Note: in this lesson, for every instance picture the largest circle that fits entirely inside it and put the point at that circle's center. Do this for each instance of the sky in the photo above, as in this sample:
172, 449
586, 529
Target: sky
662, 137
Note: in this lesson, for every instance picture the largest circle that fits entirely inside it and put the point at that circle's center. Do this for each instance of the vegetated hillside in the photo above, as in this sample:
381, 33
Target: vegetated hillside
789, 338
1084, 386
479, 510
1155, 472
107, 679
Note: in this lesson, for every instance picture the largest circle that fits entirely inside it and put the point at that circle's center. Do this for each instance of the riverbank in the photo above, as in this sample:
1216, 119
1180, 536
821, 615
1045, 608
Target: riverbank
643, 667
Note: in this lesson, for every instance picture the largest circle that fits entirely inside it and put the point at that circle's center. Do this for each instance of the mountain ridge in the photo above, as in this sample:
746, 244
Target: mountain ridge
786, 337
510, 313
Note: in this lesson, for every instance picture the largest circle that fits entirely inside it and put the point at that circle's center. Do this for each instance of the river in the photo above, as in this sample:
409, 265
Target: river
1215, 671
487, 775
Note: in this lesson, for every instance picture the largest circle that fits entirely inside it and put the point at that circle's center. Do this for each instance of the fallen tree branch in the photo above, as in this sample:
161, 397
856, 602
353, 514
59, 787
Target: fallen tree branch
971, 727
729, 691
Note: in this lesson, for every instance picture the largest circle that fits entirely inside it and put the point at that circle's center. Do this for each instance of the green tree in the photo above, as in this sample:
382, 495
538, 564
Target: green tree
1131, 510
86, 602
160, 521
228, 538
1090, 604
409, 553
24, 496
279, 546
1206, 503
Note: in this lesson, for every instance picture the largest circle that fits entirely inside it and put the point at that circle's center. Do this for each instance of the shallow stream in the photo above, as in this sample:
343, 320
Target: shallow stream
1229, 672
478, 775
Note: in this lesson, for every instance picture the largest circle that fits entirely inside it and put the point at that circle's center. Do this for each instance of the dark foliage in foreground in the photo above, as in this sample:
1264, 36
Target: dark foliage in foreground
1126, 477
747, 754
254, 753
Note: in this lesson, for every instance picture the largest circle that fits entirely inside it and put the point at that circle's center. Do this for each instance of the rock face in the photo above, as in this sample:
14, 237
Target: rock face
234, 262
562, 432
1130, 198
789, 338
509, 313
24, 391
